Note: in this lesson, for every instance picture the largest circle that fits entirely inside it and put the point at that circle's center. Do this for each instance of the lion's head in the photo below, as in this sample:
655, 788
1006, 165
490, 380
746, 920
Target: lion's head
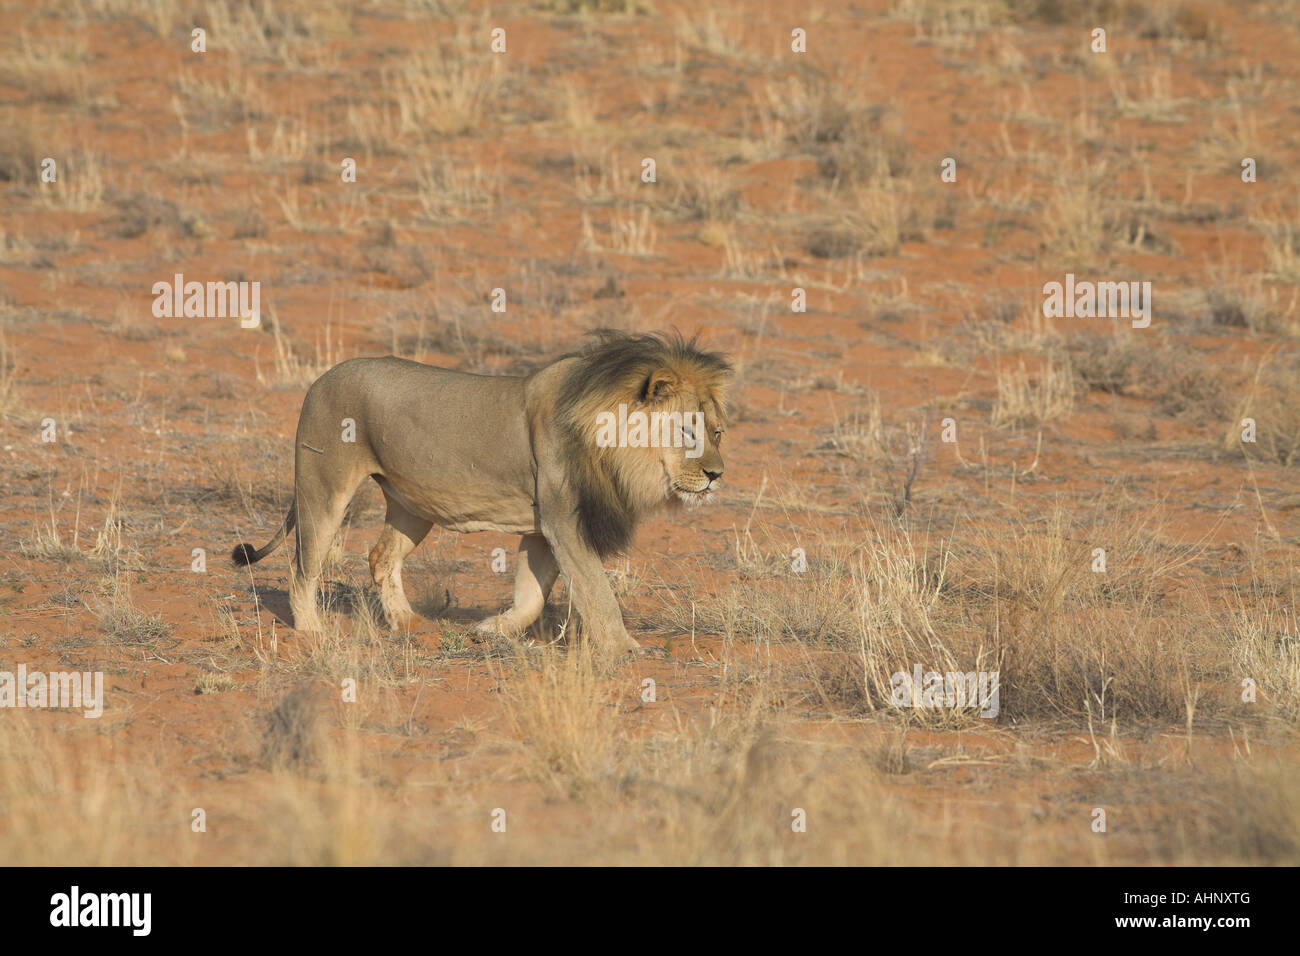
643, 418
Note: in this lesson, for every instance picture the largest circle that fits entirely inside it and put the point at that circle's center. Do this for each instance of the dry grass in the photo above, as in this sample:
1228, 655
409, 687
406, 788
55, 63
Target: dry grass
1270, 400
234, 96
944, 20
1240, 300
27, 141
598, 6
566, 713
718, 791
1282, 248
126, 625
451, 191
110, 551
1030, 399
9, 402
268, 32
296, 366
1026, 604
445, 92
627, 233
76, 800
1118, 686
80, 184
853, 142
707, 193
723, 786
50, 71
1118, 363
1081, 222
950, 22
1150, 99
712, 31
293, 738
215, 683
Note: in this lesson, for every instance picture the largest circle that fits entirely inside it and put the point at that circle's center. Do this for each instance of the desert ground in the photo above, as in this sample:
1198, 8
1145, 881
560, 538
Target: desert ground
859, 203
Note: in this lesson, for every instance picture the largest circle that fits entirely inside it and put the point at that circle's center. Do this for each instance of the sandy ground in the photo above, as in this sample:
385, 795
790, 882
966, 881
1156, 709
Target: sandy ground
1148, 705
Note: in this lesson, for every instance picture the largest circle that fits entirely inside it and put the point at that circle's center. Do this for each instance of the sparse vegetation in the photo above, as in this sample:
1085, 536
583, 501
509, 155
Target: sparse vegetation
1030, 399
922, 468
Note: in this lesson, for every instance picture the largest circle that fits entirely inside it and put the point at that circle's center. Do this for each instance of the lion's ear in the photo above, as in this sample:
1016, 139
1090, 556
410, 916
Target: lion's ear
661, 384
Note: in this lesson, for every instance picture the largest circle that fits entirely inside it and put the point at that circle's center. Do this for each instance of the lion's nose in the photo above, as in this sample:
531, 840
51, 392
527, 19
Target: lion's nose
713, 475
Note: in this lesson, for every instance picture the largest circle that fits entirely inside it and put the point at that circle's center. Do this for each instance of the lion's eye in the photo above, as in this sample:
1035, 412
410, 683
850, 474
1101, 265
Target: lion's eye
688, 432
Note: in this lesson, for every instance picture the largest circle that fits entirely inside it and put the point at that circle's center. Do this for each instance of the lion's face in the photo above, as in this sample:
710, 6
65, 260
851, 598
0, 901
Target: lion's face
692, 471
665, 441
642, 420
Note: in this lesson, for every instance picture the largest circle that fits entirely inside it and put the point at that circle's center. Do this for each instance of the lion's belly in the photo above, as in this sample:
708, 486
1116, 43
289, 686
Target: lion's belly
492, 526
465, 507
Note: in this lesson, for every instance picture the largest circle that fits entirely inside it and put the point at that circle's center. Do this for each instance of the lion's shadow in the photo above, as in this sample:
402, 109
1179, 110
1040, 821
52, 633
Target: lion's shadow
353, 600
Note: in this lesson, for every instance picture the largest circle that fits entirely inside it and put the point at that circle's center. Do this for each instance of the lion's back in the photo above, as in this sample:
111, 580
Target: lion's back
410, 415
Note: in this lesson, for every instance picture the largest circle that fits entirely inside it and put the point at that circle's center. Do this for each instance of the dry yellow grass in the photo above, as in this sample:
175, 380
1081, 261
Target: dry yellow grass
1126, 619
1029, 399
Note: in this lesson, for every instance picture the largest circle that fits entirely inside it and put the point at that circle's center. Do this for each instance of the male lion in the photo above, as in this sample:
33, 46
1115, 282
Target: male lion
528, 455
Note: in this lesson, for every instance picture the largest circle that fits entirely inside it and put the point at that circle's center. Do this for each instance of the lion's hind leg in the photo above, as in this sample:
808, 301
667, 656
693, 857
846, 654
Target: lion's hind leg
533, 582
317, 524
402, 533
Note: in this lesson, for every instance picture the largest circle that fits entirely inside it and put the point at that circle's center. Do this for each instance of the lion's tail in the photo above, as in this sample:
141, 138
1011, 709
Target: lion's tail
247, 554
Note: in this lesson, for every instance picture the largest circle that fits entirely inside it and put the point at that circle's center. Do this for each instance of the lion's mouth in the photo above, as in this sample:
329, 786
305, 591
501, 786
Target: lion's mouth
694, 497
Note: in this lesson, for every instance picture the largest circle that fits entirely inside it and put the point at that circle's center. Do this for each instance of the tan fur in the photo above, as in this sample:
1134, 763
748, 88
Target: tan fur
515, 454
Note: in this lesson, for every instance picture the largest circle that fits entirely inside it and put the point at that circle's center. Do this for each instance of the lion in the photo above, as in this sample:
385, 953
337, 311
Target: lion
548, 456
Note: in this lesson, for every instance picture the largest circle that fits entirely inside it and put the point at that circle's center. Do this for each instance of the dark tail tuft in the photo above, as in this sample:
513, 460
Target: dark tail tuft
244, 554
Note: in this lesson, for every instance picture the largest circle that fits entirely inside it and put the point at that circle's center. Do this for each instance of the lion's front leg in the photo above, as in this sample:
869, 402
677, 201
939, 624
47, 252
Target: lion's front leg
593, 598
534, 579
